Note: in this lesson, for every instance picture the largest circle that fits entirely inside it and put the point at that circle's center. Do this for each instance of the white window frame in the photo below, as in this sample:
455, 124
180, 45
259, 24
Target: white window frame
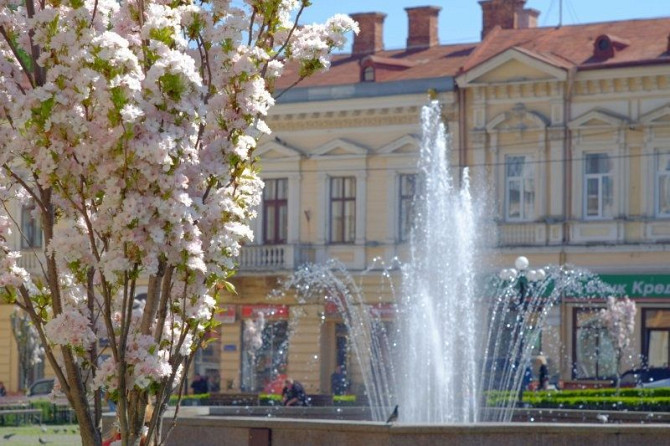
600, 177
525, 177
401, 238
661, 173
32, 236
331, 203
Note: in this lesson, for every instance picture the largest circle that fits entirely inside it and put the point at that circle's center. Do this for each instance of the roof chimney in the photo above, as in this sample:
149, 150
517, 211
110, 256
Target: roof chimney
422, 27
370, 38
527, 18
508, 14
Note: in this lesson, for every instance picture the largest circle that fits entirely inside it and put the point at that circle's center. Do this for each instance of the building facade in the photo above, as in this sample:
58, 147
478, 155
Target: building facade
568, 128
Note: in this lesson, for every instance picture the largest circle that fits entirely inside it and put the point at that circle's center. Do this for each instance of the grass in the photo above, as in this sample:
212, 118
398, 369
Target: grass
55, 435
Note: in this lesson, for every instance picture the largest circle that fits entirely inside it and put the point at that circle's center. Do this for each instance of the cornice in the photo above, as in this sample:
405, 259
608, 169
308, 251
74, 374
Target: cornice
505, 91
372, 117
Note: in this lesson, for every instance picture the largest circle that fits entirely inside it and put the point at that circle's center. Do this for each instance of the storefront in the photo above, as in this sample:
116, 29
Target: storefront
592, 350
265, 339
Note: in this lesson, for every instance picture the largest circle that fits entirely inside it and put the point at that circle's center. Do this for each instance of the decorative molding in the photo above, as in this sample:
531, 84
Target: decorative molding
313, 114
512, 54
407, 140
622, 85
283, 151
339, 147
602, 118
655, 117
518, 118
296, 123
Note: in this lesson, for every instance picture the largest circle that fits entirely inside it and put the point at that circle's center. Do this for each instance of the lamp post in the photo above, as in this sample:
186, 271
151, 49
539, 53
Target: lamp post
522, 284
523, 278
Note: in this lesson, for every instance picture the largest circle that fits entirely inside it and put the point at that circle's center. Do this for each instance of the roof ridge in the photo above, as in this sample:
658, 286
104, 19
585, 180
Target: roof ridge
480, 48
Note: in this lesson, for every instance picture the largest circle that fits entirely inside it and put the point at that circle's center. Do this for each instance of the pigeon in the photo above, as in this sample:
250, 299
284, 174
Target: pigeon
8, 436
42, 441
394, 415
43, 427
602, 418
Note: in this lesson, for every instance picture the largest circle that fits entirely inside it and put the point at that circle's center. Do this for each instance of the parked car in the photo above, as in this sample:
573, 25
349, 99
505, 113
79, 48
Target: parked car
41, 388
646, 377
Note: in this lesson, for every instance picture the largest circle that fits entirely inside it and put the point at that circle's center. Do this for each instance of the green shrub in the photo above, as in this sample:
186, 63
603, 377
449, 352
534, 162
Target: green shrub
632, 399
190, 400
345, 400
269, 399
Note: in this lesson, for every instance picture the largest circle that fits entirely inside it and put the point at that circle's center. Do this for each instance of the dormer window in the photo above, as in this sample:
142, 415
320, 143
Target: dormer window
605, 45
369, 74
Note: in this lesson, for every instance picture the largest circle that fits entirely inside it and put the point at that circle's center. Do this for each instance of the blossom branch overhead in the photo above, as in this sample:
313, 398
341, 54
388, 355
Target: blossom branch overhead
132, 125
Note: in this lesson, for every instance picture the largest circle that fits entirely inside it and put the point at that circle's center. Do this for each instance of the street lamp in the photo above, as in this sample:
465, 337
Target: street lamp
524, 278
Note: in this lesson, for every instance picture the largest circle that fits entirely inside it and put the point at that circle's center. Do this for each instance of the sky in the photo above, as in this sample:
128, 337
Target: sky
461, 20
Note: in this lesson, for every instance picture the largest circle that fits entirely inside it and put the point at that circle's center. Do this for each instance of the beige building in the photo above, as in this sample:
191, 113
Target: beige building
568, 127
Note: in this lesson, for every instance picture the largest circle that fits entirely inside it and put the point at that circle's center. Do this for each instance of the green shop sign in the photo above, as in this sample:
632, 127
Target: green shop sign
641, 285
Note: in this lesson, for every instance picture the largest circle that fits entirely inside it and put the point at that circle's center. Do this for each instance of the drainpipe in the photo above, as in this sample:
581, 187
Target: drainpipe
566, 334
462, 137
567, 160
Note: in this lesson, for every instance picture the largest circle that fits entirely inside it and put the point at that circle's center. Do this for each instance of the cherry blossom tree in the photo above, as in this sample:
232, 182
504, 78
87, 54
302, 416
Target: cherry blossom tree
619, 321
131, 126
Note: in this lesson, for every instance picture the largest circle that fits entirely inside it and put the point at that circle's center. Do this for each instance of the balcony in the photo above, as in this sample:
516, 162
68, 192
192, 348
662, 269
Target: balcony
522, 234
270, 258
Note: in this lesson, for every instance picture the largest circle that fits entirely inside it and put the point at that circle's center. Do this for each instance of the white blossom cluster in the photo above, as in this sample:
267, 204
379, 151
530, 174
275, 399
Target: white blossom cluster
619, 320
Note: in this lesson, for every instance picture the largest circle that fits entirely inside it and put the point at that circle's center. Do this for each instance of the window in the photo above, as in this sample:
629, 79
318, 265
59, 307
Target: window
656, 340
519, 188
31, 227
342, 210
275, 211
264, 359
594, 356
663, 183
408, 187
369, 74
598, 188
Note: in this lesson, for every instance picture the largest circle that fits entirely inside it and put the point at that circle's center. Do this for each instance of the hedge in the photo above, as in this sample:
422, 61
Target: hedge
633, 399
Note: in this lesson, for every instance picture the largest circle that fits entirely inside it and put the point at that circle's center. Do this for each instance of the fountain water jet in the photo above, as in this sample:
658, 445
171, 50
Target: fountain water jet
459, 338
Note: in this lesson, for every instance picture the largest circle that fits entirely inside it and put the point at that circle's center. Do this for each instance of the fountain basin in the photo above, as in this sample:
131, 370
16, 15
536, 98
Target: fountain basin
252, 431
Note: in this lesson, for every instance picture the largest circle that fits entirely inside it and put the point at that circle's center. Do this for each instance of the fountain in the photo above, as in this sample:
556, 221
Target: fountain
460, 334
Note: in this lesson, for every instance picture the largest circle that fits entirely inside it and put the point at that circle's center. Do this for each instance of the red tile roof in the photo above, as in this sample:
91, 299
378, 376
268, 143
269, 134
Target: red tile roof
442, 60
568, 46
645, 41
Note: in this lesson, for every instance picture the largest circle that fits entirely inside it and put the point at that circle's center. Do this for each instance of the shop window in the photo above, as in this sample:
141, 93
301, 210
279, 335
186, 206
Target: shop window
31, 227
598, 186
663, 183
519, 188
408, 188
264, 354
342, 209
275, 211
594, 356
656, 340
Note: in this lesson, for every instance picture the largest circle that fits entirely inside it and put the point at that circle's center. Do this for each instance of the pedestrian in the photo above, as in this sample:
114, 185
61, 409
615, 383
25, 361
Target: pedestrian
293, 393
3, 391
543, 373
199, 384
